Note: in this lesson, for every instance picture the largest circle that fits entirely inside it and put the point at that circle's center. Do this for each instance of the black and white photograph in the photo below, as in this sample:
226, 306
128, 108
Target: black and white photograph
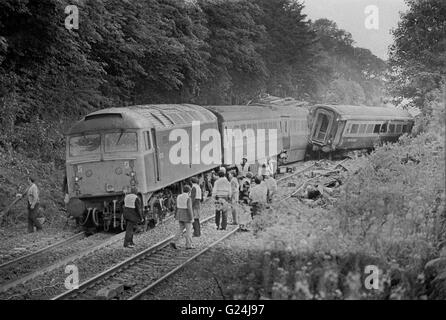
222, 154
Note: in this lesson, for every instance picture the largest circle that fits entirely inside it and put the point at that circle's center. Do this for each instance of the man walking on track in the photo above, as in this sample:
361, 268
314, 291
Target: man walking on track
132, 215
196, 205
184, 215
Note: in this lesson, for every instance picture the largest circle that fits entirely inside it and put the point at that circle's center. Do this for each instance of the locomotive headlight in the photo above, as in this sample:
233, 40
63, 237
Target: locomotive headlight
76, 179
132, 174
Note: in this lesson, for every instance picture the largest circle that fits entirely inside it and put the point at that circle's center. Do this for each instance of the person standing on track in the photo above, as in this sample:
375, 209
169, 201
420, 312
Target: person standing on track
234, 195
258, 196
185, 217
222, 195
244, 167
33, 206
271, 185
196, 205
132, 215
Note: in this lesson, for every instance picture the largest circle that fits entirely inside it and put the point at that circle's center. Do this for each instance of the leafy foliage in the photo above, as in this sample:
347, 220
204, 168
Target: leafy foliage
418, 55
168, 51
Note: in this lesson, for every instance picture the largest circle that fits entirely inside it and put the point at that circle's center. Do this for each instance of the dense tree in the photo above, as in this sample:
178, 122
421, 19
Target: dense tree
352, 75
237, 71
165, 51
418, 55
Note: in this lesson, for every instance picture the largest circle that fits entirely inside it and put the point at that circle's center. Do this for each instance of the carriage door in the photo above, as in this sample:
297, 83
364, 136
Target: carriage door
321, 127
155, 154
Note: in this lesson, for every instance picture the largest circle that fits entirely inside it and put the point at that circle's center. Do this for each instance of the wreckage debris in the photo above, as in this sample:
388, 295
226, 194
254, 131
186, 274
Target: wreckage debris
324, 181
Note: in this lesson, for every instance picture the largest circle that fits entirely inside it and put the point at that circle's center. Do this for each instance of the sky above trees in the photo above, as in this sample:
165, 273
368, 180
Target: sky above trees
349, 15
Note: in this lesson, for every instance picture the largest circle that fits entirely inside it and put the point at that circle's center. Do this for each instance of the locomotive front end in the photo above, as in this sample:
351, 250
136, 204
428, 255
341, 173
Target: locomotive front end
102, 164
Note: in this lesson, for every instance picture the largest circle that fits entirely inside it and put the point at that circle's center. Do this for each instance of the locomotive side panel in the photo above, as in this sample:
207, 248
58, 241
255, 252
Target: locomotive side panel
183, 156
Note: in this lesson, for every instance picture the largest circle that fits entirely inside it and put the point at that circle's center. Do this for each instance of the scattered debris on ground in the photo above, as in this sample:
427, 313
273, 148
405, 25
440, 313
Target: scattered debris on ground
323, 182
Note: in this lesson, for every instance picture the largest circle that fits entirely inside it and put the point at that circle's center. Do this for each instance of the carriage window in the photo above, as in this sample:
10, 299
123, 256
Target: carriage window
354, 128
362, 128
405, 128
120, 141
369, 128
398, 128
392, 128
384, 128
85, 145
147, 141
377, 128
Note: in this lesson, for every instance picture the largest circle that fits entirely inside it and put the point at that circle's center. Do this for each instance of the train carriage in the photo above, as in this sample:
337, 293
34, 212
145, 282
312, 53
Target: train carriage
274, 128
341, 128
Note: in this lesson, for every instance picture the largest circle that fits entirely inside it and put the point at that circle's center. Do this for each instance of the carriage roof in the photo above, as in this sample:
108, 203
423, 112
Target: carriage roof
158, 116
258, 112
347, 112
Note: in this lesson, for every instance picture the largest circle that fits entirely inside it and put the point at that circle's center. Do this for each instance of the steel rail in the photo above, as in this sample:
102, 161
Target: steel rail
179, 267
119, 266
8, 285
77, 236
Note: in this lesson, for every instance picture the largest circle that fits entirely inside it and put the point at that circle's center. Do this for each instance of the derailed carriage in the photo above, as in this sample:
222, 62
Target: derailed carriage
340, 128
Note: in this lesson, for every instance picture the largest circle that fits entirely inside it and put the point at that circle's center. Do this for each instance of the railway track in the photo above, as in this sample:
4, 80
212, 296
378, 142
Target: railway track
41, 251
137, 275
148, 267
25, 268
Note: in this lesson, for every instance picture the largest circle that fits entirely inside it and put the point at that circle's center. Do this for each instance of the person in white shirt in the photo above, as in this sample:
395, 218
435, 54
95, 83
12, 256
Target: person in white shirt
244, 167
258, 196
222, 194
271, 185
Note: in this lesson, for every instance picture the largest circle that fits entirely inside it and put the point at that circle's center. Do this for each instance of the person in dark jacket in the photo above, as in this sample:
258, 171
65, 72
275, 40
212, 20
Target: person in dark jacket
184, 215
132, 215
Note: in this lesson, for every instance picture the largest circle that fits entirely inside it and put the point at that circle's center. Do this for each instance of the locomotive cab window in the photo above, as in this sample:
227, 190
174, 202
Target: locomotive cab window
85, 145
405, 128
120, 141
398, 128
369, 128
384, 128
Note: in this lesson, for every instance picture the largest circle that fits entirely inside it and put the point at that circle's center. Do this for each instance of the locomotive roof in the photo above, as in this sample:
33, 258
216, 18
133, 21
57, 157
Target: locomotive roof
142, 116
258, 112
347, 112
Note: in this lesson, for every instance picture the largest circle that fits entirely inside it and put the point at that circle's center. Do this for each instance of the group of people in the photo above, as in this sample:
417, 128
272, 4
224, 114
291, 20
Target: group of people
229, 190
